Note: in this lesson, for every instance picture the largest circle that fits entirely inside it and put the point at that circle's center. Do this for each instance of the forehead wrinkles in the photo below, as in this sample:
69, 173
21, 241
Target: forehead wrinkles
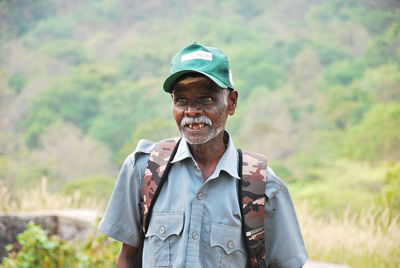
197, 81
200, 91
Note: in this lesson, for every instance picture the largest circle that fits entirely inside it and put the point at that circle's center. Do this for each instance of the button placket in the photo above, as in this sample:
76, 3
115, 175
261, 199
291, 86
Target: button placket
196, 219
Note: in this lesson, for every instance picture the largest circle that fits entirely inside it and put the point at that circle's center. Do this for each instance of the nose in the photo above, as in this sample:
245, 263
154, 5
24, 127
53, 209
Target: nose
192, 110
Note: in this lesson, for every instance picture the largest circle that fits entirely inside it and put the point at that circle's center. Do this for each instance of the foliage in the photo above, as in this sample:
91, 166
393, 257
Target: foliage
390, 194
128, 104
68, 51
154, 130
346, 106
376, 21
329, 54
335, 186
53, 28
376, 136
20, 17
342, 73
40, 250
97, 187
59, 160
17, 81
79, 98
383, 49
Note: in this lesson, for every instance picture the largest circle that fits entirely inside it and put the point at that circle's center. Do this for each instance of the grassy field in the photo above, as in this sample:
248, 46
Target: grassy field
369, 239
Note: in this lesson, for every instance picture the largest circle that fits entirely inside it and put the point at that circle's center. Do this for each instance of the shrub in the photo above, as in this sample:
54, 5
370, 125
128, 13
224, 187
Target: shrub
390, 194
17, 82
38, 249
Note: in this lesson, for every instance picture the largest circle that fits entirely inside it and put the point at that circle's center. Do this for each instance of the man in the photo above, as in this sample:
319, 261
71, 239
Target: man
196, 220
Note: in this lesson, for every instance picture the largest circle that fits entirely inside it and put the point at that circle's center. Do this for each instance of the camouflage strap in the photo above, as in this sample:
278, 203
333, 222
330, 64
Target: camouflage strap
253, 171
157, 166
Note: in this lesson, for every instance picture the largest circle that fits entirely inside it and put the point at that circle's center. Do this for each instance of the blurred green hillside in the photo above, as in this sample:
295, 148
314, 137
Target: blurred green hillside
318, 81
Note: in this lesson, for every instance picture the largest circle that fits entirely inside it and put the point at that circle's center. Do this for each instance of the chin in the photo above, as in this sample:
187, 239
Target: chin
198, 140
194, 140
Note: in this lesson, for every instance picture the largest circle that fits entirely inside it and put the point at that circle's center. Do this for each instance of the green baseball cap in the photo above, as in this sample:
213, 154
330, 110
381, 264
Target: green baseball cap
209, 61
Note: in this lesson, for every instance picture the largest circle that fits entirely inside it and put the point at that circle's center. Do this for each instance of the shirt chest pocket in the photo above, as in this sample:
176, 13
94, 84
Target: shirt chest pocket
162, 236
226, 241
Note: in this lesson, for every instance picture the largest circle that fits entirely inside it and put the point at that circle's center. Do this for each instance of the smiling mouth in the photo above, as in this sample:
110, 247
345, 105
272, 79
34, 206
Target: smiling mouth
196, 126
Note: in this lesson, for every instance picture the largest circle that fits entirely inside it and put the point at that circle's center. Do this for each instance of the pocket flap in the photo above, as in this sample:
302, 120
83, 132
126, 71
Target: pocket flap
229, 238
163, 225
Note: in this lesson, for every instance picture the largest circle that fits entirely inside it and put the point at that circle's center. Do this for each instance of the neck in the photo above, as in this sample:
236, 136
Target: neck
208, 154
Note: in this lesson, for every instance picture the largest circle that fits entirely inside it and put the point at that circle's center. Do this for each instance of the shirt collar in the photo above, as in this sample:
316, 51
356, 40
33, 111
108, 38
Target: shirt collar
227, 163
182, 152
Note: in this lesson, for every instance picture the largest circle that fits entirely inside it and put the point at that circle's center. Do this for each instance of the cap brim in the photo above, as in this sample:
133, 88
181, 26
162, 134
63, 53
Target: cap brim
173, 77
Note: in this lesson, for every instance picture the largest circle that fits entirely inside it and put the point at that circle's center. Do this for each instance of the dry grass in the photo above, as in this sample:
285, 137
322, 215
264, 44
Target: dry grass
40, 198
369, 239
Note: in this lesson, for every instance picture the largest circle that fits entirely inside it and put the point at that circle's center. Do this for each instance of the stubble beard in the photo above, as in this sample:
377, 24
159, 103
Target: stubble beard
214, 132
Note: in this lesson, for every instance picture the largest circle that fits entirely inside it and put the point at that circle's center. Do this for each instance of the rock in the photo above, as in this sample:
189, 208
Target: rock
67, 224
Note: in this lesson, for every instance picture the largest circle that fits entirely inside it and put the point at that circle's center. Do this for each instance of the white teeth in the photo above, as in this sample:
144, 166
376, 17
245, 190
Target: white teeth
201, 125
190, 126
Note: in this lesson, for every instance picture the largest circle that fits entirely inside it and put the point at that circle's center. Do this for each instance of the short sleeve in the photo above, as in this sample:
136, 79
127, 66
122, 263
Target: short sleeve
121, 220
283, 240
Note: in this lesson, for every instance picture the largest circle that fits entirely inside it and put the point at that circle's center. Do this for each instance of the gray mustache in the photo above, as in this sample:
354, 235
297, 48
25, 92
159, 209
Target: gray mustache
202, 119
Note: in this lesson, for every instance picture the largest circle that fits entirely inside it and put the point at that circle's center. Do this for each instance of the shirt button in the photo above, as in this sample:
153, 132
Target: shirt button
195, 235
162, 229
200, 196
230, 244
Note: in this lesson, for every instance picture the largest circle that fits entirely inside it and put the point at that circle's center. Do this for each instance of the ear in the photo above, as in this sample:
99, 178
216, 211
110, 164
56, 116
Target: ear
232, 101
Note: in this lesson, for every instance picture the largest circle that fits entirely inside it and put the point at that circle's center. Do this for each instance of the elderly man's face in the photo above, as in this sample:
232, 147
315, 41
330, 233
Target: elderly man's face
201, 112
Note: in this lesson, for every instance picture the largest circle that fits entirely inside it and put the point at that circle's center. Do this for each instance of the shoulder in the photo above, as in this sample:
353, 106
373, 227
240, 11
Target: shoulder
258, 163
255, 162
140, 154
145, 147
274, 184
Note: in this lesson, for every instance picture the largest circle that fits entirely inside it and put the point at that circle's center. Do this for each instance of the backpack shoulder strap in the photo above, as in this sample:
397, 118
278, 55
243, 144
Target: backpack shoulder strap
154, 176
253, 171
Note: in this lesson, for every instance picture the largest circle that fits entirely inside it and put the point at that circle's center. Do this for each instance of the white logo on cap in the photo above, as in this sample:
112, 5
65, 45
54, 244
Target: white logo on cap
197, 55
230, 77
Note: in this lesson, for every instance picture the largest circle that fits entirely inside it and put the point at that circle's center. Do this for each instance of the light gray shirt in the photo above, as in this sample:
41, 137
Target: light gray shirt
197, 223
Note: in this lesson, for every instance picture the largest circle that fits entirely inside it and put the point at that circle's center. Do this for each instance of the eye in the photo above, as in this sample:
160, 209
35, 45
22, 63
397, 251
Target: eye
180, 101
207, 100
